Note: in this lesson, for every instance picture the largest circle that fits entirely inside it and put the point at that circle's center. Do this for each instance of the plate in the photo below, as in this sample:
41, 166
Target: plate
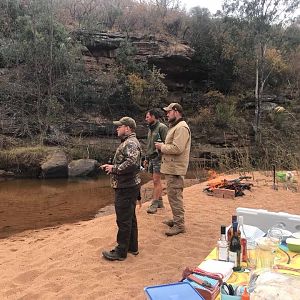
296, 235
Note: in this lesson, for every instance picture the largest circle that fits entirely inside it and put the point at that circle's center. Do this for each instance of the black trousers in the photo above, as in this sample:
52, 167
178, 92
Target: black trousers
125, 203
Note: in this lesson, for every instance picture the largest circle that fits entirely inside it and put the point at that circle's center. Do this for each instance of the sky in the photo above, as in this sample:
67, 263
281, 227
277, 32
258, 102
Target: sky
212, 5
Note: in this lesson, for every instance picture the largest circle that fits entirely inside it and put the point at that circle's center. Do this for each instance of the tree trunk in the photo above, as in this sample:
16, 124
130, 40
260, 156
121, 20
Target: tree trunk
257, 105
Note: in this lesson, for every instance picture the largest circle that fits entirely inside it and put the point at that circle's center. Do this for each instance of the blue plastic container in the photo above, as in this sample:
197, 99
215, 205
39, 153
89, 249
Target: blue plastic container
172, 291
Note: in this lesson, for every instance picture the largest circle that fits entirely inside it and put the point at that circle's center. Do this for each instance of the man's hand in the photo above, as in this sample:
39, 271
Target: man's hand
107, 168
158, 145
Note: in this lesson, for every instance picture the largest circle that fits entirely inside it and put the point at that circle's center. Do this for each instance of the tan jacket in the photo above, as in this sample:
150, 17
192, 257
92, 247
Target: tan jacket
176, 150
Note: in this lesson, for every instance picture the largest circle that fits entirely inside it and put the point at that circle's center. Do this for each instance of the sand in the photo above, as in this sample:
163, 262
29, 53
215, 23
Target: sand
65, 262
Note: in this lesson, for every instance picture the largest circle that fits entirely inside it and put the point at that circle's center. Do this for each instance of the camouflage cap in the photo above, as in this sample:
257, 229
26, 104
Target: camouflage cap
174, 106
127, 121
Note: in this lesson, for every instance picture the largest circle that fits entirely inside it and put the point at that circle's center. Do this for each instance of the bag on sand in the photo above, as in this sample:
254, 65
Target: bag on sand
207, 284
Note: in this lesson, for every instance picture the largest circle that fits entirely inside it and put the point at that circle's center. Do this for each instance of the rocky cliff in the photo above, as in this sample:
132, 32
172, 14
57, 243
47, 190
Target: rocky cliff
174, 58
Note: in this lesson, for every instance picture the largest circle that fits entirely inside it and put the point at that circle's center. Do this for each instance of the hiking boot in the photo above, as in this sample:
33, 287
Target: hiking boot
152, 209
170, 223
135, 253
160, 203
112, 255
175, 230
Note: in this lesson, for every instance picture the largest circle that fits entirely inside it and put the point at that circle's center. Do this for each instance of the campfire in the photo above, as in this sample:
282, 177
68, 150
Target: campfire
221, 187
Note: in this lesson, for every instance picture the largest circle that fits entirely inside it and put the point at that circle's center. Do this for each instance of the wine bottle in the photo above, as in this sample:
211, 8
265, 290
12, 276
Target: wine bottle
222, 245
235, 249
243, 238
230, 229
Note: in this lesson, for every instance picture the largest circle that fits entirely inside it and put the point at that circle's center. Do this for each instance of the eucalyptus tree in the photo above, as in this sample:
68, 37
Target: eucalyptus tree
259, 18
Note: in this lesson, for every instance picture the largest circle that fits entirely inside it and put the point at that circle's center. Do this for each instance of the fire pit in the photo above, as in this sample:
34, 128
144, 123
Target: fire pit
223, 188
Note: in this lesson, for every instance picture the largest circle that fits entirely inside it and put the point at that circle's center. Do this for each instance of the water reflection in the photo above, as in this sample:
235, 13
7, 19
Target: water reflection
32, 204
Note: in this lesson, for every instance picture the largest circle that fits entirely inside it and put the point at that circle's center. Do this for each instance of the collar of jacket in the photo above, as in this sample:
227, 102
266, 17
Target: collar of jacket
172, 124
124, 138
153, 125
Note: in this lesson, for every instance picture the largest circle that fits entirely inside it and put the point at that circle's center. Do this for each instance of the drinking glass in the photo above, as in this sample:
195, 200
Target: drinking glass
275, 234
251, 254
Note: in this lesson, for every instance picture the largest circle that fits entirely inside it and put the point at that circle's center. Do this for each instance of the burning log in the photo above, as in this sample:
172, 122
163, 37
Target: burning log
218, 187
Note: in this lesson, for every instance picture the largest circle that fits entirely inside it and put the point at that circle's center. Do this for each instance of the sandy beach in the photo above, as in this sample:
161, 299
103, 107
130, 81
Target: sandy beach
65, 262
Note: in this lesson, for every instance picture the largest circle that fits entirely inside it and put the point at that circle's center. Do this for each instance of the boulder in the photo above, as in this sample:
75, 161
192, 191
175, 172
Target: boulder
83, 167
56, 166
4, 173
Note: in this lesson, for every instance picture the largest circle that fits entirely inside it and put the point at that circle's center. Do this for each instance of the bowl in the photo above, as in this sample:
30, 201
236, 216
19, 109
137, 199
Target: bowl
293, 244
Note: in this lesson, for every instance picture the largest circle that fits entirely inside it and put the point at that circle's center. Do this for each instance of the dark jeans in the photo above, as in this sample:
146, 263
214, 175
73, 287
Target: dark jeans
125, 202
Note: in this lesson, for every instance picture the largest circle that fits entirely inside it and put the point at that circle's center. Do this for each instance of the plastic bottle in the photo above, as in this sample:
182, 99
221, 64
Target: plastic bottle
245, 295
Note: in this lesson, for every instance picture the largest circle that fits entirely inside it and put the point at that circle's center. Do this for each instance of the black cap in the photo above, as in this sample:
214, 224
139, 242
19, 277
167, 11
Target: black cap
223, 229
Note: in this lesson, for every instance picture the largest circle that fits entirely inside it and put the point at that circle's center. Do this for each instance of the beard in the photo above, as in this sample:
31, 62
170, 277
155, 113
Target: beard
171, 119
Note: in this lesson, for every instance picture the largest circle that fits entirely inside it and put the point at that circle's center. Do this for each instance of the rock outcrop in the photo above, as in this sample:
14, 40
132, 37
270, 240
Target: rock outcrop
56, 166
83, 167
174, 58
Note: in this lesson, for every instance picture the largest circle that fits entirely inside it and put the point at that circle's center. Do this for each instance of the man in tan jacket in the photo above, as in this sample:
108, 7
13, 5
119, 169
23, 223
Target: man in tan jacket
175, 160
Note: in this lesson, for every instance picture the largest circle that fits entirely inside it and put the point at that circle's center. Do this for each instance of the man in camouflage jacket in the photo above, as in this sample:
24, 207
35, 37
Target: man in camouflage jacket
125, 181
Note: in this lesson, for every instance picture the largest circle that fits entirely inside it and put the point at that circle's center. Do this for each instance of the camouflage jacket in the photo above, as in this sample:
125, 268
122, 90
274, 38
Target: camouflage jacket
126, 163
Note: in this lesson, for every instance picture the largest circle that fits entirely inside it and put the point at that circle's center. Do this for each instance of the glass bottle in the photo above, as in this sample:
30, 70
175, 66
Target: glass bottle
235, 249
158, 140
243, 238
222, 245
230, 229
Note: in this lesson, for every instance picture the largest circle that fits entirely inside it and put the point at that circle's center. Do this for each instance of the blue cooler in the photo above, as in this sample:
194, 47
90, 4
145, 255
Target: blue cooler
172, 291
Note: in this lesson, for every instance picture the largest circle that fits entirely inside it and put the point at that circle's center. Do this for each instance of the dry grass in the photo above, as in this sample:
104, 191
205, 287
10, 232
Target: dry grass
24, 160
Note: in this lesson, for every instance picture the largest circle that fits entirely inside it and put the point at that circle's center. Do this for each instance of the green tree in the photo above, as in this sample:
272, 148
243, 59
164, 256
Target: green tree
260, 17
207, 35
147, 91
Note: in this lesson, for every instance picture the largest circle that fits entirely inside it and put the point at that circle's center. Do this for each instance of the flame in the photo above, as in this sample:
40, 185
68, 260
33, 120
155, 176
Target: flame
215, 180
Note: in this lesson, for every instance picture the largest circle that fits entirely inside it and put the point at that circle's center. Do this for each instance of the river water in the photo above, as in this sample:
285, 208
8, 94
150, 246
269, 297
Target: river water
35, 203
32, 203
